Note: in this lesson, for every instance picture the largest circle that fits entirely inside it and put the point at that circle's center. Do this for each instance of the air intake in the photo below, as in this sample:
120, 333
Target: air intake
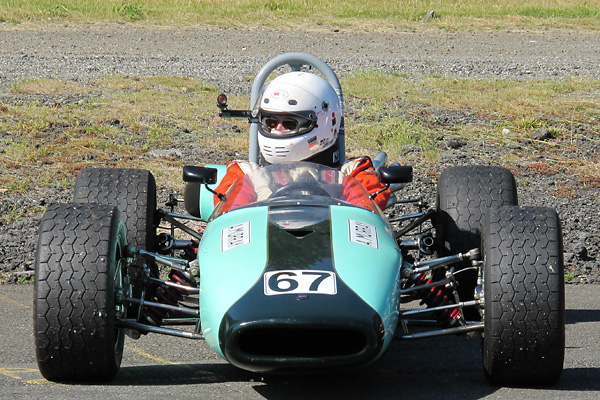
305, 343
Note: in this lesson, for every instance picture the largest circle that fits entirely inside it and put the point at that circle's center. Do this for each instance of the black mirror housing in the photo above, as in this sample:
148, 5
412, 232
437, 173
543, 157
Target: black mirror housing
202, 175
396, 174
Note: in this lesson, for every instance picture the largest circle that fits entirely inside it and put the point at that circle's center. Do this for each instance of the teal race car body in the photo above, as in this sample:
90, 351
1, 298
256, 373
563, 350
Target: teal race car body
307, 264
296, 269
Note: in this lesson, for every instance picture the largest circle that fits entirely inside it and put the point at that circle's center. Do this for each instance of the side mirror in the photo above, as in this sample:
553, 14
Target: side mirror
207, 176
396, 174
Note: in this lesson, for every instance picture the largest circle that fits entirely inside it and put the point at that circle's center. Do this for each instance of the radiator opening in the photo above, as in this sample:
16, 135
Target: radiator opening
301, 342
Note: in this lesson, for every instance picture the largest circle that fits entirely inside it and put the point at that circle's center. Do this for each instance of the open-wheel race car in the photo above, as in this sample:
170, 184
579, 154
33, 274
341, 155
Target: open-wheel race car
296, 269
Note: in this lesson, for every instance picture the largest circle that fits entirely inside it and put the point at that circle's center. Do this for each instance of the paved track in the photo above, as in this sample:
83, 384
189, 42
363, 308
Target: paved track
163, 367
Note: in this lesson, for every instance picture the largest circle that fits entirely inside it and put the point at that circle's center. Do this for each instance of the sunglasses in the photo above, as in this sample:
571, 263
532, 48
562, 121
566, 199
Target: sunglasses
289, 124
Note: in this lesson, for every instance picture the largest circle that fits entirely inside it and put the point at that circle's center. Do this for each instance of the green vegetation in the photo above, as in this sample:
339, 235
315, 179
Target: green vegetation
399, 113
61, 127
370, 14
56, 128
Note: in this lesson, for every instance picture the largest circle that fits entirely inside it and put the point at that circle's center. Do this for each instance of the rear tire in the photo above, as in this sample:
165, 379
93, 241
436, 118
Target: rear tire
464, 193
524, 313
79, 269
133, 192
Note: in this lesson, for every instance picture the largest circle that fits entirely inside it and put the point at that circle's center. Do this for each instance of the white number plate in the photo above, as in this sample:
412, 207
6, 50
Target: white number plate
300, 282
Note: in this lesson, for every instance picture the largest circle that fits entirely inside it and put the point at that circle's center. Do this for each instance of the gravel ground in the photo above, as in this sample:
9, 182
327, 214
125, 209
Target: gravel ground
230, 57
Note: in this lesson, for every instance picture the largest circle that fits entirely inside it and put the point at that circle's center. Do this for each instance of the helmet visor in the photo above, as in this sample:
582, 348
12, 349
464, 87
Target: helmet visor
281, 125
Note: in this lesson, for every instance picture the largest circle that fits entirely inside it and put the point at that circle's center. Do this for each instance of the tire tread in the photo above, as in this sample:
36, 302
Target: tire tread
524, 334
71, 291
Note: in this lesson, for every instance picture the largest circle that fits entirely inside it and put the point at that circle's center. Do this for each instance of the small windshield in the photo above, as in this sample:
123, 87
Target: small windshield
299, 182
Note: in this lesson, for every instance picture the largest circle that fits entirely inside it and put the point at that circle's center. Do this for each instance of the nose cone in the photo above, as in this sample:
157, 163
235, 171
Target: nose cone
300, 333
300, 317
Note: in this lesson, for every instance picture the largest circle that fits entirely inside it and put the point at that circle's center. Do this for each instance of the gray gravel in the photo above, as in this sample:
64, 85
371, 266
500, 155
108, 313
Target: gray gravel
230, 57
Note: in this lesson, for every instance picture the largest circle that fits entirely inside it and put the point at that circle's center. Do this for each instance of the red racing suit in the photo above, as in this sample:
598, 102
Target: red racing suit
360, 169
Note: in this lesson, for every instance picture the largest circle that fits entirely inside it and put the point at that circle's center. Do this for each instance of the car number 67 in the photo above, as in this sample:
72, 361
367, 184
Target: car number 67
300, 282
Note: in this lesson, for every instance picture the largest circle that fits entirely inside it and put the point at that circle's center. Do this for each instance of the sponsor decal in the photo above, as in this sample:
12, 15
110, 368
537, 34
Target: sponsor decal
312, 142
235, 235
300, 282
363, 233
279, 94
281, 178
328, 176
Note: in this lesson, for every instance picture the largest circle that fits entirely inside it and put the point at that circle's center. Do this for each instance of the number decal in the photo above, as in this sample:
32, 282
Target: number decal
300, 282
282, 283
321, 276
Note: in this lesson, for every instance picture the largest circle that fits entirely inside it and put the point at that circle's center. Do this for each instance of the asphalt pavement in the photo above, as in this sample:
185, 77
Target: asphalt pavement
157, 366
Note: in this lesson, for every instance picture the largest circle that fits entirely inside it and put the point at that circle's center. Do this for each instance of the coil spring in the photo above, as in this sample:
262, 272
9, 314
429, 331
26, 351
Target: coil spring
435, 297
169, 295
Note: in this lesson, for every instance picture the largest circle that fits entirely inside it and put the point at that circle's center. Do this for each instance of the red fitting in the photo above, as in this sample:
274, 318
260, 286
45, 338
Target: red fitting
435, 297
168, 295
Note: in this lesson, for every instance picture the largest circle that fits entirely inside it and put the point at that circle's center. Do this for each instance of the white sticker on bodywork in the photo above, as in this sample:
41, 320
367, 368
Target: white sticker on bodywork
300, 282
235, 235
363, 233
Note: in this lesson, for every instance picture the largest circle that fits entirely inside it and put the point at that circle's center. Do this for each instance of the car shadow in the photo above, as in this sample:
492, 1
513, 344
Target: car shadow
582, 316
448, 367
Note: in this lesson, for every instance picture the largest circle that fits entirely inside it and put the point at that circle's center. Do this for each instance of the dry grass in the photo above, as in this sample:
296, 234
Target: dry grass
416, 112
50, 130
368, 14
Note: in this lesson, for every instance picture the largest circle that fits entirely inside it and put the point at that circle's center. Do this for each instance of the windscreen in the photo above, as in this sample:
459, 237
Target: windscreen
303, 182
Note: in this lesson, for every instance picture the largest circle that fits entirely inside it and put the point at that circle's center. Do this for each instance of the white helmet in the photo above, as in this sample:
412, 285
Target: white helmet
299, 116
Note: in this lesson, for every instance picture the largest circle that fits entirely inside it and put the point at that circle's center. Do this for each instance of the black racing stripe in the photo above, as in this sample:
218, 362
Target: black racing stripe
288, 332
308, 247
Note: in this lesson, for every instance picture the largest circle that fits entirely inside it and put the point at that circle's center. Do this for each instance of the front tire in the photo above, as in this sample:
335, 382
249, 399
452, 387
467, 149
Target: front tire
80, 268
524, 296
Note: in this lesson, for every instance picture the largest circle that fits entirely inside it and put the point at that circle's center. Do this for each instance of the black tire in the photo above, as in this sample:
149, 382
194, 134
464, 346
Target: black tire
132, 191
79, 268
463, 195
191, 198
524, 313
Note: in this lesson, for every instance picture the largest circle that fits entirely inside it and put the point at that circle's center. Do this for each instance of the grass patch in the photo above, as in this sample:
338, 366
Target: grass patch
452, 14
45, 138
50, 129
569, 277
401, 114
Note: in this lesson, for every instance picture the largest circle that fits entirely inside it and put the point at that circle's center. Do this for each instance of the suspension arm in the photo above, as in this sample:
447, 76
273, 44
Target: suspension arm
446, 307
478, 326
419, 288
428, 265
189, 289
130, 324
145, 303
420, 218
171, 262
172, 218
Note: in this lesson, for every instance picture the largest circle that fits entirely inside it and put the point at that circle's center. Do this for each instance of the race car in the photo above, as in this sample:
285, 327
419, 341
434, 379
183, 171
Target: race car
296, 269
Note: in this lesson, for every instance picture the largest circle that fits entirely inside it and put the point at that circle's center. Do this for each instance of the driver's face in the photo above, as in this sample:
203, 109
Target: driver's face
280, 125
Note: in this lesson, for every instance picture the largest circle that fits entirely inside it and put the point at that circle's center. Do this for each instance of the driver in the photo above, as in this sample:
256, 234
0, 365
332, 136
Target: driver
299, 116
